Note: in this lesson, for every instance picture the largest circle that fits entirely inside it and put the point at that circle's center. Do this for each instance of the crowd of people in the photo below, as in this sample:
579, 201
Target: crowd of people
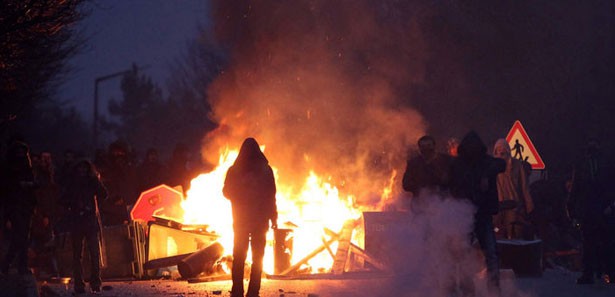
509, 207
41, 199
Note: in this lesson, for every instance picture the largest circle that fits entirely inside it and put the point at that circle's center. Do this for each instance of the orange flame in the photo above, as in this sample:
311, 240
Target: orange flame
317, 205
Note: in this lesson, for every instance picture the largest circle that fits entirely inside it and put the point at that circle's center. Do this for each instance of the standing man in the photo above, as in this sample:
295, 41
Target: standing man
151, 171
18, 202
118, 176
81, 198
473, 177
179, 169
250, 186
513, 193
428, 172
592, 205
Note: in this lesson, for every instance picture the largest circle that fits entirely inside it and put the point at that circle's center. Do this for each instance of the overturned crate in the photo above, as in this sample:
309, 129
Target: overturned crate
122, 252
169, 243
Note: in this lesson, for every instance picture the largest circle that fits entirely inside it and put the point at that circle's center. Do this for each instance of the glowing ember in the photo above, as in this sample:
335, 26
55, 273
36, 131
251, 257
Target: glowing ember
317, 205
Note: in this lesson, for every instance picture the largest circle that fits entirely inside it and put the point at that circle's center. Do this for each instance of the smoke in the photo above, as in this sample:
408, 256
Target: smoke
432, 254
318, 83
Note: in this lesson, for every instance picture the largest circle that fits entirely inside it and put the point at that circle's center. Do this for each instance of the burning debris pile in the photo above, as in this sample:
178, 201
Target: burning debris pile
327, 97
324, 94
197, 250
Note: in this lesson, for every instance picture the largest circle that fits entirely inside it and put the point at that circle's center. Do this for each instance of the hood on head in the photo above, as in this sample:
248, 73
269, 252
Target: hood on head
250, 152
471, 147
501, 145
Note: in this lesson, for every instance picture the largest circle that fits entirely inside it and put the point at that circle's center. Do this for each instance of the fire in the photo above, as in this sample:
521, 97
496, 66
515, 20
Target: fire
205, 203
316, 206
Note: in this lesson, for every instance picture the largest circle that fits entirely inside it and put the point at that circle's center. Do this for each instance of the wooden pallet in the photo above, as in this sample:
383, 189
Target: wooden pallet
341, 258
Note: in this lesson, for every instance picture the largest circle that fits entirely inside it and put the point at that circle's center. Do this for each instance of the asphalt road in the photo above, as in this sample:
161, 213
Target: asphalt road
560, 283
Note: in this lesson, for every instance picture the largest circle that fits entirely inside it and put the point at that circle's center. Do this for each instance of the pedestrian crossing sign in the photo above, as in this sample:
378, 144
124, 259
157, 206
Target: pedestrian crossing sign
522, 147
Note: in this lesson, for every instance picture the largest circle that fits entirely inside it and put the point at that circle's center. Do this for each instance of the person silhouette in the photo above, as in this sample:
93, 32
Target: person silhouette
250, 186
518, 148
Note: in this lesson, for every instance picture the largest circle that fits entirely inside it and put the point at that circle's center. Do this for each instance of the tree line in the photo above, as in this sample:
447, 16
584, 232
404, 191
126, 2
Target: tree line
37, 39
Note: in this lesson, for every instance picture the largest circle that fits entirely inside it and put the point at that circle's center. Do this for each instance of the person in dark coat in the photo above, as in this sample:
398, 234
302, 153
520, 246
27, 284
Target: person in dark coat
609, 215
46, 214
427, 171
151, 171
250, 186
179, 170
119, 177
591, 205
473, 177
66, 168
18, 201
81, 198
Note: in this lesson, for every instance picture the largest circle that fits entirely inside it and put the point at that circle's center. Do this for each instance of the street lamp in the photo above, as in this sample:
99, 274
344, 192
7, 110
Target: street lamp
96, 81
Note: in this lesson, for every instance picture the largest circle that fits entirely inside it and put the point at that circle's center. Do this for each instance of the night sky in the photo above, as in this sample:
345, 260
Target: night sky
119, 33
550, 65
483, 64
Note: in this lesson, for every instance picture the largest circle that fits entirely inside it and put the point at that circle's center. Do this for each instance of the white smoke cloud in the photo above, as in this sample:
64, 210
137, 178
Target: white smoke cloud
433, 255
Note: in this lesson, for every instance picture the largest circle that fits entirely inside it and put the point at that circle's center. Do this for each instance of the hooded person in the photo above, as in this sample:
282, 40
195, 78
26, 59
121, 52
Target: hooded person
250, 186
473, 177
516, 203
592, 204
81, 197
18, 201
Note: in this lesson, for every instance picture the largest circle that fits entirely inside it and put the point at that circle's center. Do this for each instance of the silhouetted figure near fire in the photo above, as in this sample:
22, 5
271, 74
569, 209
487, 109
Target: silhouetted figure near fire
66, 168
47, 192
591, 204
45, 217
179, 171
18, 201
119, 176
250, 187
473, 177
151, 171
428, 172
81, 198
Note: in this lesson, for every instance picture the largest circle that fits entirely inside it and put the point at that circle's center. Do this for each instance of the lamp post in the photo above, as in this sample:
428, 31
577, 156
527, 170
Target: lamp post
96, 82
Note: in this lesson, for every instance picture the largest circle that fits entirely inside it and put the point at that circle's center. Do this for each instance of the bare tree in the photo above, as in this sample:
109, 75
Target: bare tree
36, 40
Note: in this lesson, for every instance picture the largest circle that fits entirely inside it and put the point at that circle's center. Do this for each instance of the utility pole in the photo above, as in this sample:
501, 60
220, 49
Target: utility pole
96, 82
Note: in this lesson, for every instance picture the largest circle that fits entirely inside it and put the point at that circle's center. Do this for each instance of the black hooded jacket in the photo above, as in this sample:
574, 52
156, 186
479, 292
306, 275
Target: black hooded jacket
474, 173
17, 181
591, 191
81, 197
250, 186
